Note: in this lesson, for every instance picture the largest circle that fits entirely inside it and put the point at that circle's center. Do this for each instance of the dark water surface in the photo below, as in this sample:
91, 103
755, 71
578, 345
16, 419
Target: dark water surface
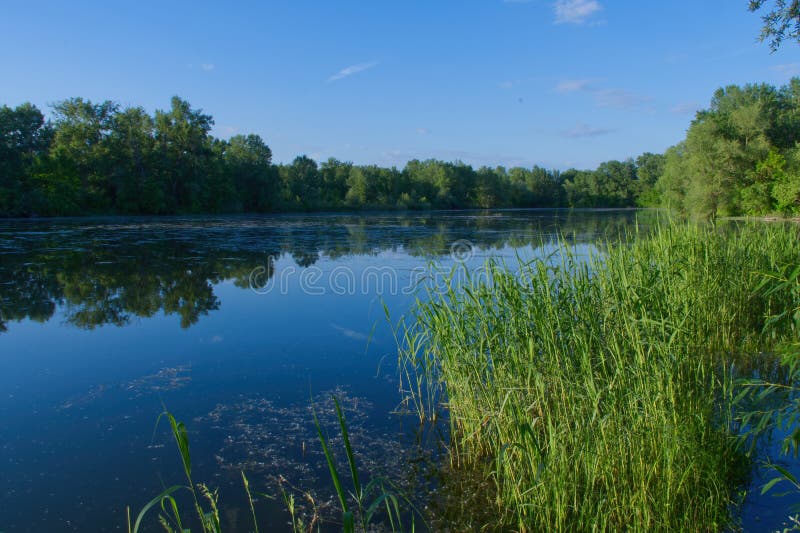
233, 324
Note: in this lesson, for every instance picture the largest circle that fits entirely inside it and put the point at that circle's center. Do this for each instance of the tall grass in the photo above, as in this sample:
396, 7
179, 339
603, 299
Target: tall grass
598, 393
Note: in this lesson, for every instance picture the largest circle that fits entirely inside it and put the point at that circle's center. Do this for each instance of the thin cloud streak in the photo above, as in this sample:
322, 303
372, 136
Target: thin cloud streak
619, 99
787, 69
582, 130
612, 98
685, 108
575, 11
571, 86
352, 69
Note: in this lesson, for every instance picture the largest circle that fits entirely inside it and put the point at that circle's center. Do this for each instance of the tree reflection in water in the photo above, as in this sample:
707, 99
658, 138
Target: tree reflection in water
107, 271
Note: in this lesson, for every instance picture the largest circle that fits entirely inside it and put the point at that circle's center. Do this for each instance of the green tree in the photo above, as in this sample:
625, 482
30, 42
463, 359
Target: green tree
786, 184
81, 150
134, 185
781, 22
24, 140
183, 149
649, 168
248, 160
672, 184
302, 182
335, 186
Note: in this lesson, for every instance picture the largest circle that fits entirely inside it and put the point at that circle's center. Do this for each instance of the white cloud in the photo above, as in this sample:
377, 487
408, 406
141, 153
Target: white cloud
619, 99
685, 108
584, 130
575, 11
352, 69
423, 131
571, 86
506, 84
614, 98
208, 67
787, 69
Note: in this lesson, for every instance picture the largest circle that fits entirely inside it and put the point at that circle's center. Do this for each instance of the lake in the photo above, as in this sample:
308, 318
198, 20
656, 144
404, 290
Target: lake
236, 325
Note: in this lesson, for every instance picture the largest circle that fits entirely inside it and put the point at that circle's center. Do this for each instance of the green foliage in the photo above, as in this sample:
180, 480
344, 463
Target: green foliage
781, 22
739, 156
649, 168
99, 158
774, 405
24, 139
596, 394
613, 184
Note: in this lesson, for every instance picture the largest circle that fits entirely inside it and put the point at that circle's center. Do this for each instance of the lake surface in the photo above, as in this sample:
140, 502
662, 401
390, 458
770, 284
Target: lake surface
234, 324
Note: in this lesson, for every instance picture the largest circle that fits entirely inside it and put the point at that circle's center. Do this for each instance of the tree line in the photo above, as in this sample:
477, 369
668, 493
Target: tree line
741, 156
100, 158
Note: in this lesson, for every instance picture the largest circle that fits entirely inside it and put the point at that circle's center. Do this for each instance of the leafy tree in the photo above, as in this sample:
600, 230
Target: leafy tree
781, 22
100, 158
649, 168
335, 175
248, 160
183, 151
786, 183
673, 182
302, 182
81, 151
134, 185
24, 139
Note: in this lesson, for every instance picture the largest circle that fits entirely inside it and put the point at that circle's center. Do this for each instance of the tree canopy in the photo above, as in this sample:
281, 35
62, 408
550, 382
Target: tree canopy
101, 158
741, 156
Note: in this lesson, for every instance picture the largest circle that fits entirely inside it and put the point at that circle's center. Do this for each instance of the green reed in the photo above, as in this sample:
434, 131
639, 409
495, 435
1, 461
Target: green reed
378, 503
598, 393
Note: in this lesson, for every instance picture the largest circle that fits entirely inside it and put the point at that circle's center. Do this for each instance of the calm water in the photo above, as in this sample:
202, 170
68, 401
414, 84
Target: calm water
234, 324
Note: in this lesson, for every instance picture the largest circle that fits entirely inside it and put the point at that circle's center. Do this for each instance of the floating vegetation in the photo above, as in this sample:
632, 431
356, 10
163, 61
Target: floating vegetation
166, 379
281, 445
262, 437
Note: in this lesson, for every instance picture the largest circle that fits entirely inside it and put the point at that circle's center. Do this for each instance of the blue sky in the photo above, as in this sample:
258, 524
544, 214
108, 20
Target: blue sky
558, 83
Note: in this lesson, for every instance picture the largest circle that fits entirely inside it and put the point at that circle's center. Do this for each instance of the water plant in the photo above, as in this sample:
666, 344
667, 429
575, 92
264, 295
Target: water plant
370, 498
170, 516
376, 500
598, 393
772, 403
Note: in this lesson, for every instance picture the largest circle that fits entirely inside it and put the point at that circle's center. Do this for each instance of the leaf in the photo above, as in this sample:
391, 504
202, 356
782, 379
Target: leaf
771, 483
155, 501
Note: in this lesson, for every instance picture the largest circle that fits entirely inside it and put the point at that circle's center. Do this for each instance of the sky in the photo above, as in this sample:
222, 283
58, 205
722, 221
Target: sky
556, 83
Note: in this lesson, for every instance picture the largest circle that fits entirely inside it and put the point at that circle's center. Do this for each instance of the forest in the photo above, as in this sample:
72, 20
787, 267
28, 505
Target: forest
740, 157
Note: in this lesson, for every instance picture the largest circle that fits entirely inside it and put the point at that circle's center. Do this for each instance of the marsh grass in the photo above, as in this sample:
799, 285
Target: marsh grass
598, 393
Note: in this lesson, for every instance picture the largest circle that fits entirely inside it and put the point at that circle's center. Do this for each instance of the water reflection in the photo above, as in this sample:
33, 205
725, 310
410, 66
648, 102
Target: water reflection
108, 271
78, 401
